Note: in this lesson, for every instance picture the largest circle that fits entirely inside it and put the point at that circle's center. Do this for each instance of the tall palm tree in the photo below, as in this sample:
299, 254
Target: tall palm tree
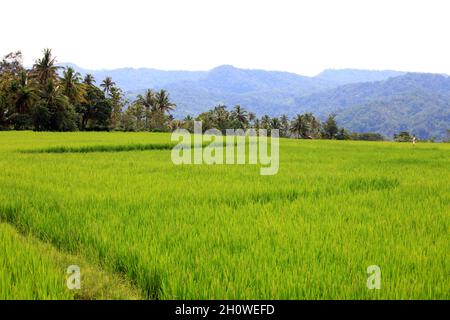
117, 103
53, 111
52, 95
89, 79
148, 101
72, 86
257, 124
221, 118
136, 112
107, 84
162, 102
275, 123
24, 94
284, 132
241, 116
177, 124
313, 126
251, 116
266, 122
284, 118
299, 126
45, 69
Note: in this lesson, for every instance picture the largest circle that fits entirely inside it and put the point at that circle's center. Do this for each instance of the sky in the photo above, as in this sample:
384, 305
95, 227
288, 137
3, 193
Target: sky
299, 36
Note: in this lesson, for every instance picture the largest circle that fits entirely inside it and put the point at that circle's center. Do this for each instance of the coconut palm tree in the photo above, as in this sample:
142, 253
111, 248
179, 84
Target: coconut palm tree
148, 101
162, 102
53, 111
117, 103
89, 79
52, 95
45, 69
221, 118
284, 132
275, 123
107, 84
240, 116
72, 86
266, 122
20, 99
177, 124
299, 126
136, 113
257, 124
24, 95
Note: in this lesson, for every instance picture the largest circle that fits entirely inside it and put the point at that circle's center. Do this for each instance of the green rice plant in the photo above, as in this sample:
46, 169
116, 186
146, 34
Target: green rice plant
225, 231
30, 269
101, 148
25, 273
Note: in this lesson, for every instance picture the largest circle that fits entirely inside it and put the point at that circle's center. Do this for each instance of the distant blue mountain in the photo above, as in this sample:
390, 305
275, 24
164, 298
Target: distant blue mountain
130, 79
364, 100
415, 102
195, 91
346, 76
263, 92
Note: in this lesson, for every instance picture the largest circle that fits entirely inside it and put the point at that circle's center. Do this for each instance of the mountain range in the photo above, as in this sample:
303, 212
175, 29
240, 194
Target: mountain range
363, 100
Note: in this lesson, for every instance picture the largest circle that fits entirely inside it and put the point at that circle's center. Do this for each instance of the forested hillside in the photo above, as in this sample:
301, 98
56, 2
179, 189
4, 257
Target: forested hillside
415, 102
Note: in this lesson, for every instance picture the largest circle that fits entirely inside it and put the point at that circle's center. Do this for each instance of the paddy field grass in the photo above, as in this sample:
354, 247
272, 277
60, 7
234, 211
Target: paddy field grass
141, 227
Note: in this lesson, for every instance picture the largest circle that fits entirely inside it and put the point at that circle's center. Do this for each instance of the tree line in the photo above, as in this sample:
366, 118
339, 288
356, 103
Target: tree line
302, 126
47, 97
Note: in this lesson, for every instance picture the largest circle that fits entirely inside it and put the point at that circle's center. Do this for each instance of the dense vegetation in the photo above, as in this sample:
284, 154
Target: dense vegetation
419, 103
49, 97
46, 98
224, 232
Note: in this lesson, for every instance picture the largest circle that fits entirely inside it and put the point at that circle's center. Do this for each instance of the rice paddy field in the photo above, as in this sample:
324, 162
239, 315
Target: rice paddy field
141, 227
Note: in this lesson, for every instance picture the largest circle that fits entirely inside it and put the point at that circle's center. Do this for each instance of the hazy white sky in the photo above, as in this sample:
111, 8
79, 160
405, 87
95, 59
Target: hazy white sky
300, 36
